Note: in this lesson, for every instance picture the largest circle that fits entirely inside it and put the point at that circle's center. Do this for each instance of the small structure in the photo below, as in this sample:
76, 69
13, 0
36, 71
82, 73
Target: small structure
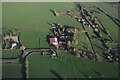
63, 37
63, 33
54, 41
59, 13
11, 41
72, 14
67, 14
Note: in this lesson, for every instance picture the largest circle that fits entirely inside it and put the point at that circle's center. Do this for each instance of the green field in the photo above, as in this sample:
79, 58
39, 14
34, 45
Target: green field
11, 53
11, 70
30, 20
67, 66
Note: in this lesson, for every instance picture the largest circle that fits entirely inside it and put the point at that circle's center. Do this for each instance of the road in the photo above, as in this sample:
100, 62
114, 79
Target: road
27, 52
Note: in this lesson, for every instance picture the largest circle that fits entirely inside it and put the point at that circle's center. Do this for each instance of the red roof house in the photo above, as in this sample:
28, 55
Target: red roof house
54, 41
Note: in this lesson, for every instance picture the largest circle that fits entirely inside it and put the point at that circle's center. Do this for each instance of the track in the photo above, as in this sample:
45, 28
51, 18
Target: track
29, 51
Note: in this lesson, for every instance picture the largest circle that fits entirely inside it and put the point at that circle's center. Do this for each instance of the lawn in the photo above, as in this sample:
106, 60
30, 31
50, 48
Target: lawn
67, 66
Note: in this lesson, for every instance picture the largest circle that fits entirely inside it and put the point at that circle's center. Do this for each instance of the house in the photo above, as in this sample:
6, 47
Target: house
54, 41
63, 36
12, 41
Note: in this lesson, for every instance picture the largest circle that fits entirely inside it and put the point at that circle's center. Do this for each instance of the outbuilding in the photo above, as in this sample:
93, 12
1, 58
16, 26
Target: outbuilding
54, 41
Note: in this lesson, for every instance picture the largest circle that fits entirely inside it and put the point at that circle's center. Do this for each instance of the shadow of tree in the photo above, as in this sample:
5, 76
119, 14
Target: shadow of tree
53, 12
56, 74
49, 23
98, 73
100, 47
116, 21
47, 39
10, 31
85, 75
23, 68
96, 11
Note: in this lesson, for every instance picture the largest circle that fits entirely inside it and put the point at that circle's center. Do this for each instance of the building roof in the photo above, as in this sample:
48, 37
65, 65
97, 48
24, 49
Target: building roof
14, 38
54, 41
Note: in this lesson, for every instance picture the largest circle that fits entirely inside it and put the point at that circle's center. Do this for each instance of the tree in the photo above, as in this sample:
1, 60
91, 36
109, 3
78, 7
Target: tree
75, 33
77, 53
76, 42
22, 48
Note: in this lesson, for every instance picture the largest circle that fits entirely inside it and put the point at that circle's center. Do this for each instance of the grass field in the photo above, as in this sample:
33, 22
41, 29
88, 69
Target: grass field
11, 70
107, 22
67, 66
11, 53
30, 20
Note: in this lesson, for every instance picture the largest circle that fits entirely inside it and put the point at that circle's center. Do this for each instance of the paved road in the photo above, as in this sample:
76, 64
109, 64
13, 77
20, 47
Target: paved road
29, 51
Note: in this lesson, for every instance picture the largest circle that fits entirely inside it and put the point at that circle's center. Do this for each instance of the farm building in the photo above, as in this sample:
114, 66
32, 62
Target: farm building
54, 41
11, 41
